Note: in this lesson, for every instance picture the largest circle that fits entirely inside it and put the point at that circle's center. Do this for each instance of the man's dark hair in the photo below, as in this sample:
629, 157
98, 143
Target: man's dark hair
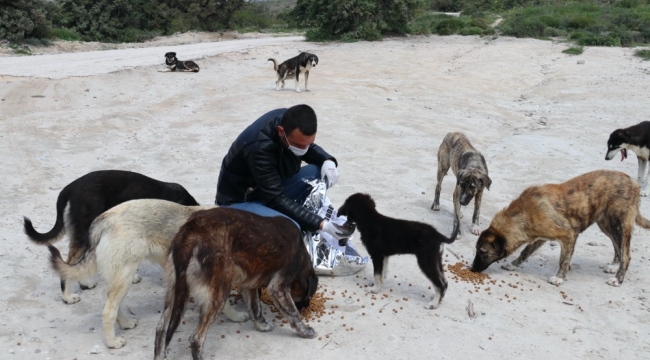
301, 117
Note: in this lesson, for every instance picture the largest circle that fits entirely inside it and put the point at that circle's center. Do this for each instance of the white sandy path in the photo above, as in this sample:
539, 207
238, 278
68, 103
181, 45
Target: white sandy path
61, 66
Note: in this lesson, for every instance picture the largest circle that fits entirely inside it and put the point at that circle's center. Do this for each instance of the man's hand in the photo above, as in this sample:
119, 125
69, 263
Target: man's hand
329, 171
337, 231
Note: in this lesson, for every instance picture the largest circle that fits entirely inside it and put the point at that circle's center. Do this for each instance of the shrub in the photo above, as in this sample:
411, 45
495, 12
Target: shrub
361, 19
449, 26
581, 22
575, 50
599, 40
643, 53
524, 27
471, 30
20, 19
480, 23
65, 34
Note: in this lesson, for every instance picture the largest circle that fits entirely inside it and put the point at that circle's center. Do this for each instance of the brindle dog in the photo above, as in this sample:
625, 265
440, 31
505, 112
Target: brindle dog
471, 174
561, 212
220, 248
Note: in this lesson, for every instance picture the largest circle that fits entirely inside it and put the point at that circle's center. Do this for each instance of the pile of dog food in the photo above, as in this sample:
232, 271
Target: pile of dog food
460, 271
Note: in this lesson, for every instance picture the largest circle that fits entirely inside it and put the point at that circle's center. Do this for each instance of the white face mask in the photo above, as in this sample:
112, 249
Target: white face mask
295, 150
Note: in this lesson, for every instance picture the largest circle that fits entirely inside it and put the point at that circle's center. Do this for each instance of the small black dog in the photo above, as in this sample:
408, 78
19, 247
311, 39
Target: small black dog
294, 66
173, 64
383, 236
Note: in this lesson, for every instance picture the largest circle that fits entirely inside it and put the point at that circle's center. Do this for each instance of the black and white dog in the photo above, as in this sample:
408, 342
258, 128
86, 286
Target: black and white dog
173, 64
637, 139
294, 66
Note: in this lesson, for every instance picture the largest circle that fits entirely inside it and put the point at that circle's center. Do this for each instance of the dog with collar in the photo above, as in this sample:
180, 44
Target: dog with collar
173, 64
294, 66
637, 139
471, 175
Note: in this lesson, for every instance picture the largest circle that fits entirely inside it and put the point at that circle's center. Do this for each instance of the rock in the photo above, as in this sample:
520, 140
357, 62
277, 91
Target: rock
581, 62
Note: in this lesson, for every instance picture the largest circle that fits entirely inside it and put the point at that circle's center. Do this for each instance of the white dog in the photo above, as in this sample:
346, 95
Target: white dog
120, 239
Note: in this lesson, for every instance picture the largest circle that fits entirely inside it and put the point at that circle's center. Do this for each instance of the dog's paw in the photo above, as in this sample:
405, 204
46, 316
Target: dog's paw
308, 332
476, 230
611, 268
73, 298
613, 282
234, 315
263, 325
116, 343
435, 207
87, 284
297, 90
136, 279
128, 324
508, 266
375, 290
555, 280
432, 305
644, 193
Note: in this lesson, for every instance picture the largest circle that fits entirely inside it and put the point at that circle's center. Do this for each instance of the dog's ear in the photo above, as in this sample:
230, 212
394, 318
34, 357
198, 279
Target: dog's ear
460, 176
486, 181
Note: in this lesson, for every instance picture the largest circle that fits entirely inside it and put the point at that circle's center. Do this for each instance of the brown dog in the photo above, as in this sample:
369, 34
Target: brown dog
220, 248
561, 212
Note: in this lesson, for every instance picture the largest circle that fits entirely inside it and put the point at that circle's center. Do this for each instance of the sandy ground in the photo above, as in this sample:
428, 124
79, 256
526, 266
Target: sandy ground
383, 110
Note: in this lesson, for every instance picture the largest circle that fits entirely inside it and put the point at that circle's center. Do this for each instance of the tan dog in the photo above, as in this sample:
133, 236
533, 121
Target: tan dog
471, 174
220, 248
561, 212
120, 239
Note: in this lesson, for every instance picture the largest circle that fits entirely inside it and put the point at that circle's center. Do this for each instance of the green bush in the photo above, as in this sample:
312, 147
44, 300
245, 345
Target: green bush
524, 27
355, 19
575, 50
479, 22
471, 30
643, 53
599, 40
20, 19
449, 26
581, 22
65, 34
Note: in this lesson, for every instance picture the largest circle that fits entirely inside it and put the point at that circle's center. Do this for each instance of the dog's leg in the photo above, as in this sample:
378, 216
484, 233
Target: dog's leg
642, 178
378, 268
74, 254
623, 239
457, 214
476, 230
604, 226
306, 79
443, 167
283, 302
117, 292
297, 79
252, 300
384, 272
209, 312
567, 246
528, 250
234, 315
430, 263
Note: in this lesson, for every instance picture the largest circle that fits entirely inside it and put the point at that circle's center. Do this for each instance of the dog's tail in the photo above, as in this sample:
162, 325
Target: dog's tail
84, 269
177, 291
57, 231
275, 63
454, 233
641, 221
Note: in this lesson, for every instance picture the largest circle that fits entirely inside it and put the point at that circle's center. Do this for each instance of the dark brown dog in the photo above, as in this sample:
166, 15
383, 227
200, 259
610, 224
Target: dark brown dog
561, 212
173, 64
81, 201
383, 236
220, 248
294, 66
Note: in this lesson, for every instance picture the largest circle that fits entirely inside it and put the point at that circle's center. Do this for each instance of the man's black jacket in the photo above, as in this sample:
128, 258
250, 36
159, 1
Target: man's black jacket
257, 165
